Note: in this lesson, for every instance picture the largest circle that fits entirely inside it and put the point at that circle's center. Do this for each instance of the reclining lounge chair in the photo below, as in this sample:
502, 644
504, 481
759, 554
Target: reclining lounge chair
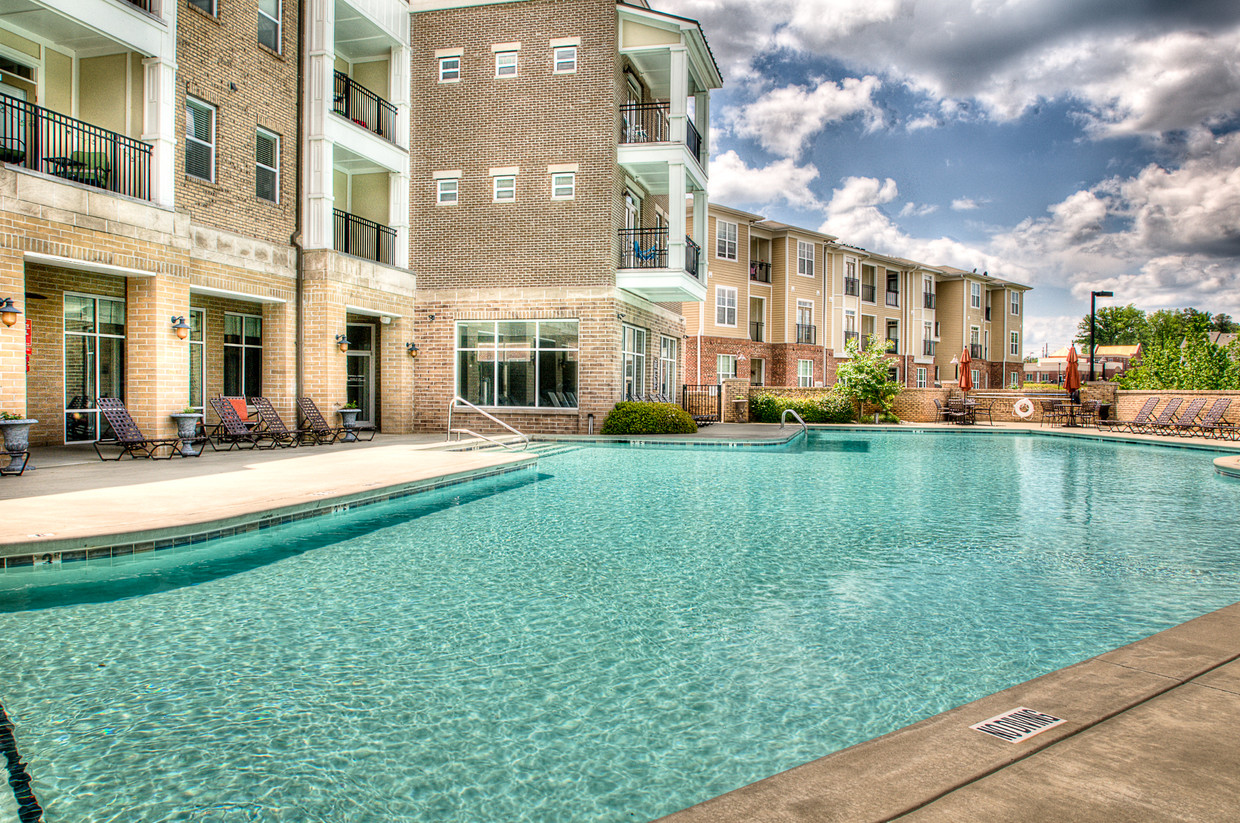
129, 438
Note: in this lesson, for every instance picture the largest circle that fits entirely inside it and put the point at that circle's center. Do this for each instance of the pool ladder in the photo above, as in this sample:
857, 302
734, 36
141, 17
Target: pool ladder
525, 440
783, 418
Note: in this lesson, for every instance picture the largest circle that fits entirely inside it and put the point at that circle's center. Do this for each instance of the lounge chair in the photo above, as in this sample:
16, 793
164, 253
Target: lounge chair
1183, 424
1164, 417
271, 425
1212, 423
231, 429
129, 438
312, 420
1141, 419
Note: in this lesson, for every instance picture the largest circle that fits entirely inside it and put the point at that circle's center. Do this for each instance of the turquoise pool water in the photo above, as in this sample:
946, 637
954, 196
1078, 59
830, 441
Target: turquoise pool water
611, 637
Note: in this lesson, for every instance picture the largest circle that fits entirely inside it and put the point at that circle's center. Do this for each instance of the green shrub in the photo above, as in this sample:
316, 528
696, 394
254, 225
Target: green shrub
830, 407
648, 418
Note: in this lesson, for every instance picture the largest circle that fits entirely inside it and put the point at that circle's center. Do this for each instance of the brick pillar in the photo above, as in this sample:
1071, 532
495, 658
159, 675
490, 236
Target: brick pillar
395, 372
736, 390
280, 358
156, 360
13, 339
324, 316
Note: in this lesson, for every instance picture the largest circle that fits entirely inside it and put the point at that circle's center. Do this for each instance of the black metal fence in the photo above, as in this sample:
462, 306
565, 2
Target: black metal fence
365, 108
852, 286
645, 123
692, 255
867, 292
927, 348
893, 298
807, 334
760, 271
363, 238
647, 249
694, 141
975, 350
755, 331
703, 403
53, 143
927, 299
849, 336
150, 6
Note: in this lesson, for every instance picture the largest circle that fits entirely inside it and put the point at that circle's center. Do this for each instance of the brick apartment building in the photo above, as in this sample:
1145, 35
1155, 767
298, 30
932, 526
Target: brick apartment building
783, 302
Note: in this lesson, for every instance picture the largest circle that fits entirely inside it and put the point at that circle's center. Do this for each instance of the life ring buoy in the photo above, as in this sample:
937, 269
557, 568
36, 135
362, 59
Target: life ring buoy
1023, 408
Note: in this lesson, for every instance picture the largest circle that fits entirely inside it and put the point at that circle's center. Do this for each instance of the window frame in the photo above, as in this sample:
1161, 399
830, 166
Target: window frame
495, 188
440, 191
811, 260
975, 295
535, 350
572, 185
633, 354
805, 381
727, 238
213, 112
1014, 343
501, 63
556, 61
724, 292
279, 23
1014, 304
202, 6
720, 375
921, 377
443, 70
259, 134
667, 366
247, 350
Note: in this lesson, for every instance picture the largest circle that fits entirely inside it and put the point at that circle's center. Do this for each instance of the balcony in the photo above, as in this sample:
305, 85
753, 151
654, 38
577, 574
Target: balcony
927, 300
849, 336
927, 348
53, 143
852, 286
148, 6
807, 334
645, 267
893, 299
355, 102
651, 123
755, 332
975, 351
893, 345
363, 238
760, 271
868, 292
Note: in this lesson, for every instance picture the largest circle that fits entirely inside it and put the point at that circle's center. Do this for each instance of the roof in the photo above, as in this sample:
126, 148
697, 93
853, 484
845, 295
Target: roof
1117, 351
714, 207
775, 226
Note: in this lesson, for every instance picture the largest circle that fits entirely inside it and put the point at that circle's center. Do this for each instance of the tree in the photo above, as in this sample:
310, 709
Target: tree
1223, 323
1116, 326
1187, 363
865, 376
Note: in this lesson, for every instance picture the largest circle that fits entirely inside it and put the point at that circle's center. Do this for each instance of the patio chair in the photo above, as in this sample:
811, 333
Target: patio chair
960, 411
1053, 412
271, 425
1164, 417
1212, 423
979, 408
313, 420
129, 438
1087, 413
944, 415
1143, 416
231, 429
646, 255
1184, 423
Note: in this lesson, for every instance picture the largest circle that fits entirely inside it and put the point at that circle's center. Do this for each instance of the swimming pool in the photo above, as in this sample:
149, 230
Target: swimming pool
613, 635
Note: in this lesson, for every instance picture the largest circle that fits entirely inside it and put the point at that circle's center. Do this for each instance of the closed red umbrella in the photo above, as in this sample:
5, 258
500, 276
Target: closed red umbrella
1072, 379
966, 376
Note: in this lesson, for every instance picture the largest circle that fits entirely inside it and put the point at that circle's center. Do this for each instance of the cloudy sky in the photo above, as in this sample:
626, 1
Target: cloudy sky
1073, 145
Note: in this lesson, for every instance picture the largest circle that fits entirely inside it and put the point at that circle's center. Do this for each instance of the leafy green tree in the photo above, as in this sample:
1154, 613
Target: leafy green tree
1187, 363
1223, 323
1116, 326
865, 376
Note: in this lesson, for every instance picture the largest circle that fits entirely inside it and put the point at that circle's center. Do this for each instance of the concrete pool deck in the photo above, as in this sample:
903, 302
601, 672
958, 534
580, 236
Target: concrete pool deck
1149, 731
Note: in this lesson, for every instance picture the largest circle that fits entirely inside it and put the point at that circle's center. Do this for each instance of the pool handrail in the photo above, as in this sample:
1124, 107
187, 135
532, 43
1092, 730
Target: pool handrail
525, 440
784, 417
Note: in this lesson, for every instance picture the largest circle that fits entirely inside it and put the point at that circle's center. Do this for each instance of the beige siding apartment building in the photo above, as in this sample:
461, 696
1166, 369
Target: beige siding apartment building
783, 303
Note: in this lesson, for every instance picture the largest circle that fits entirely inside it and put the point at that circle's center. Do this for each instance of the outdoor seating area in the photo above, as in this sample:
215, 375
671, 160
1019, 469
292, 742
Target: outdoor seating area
1179, 419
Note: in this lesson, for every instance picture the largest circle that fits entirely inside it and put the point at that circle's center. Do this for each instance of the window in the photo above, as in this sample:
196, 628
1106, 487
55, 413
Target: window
805, 258
850, 320
725, 366
634, 353
205, 5
805, 373
1014, 348
975, 295
725, 239
505, 189
267, 166
668, 361
524, 363
243, 355
1015, 302
94, 341
725, 306
449, 69
446, 192
197, 360
977, 378
805, 322
505, 64
199, 139
563, 186
921, 377
565, 60
269, 24
1015, 381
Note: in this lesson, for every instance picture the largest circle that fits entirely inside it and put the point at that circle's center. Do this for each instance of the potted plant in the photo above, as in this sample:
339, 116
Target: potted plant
348, 419
15, 428
187, 420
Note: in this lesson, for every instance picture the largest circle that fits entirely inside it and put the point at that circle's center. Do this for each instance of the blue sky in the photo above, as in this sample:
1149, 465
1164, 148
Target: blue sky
1072, 145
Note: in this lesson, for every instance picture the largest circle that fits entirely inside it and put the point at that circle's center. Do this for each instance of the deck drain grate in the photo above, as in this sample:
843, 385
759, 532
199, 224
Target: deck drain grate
1018, 724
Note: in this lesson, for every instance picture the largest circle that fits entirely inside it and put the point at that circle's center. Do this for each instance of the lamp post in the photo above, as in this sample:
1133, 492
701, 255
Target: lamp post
1093, 296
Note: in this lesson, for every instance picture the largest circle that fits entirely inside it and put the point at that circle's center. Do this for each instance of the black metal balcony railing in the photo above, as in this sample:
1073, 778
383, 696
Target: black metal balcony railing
865, 341
849, 336
868, 292
927, 299
760, 271
651, 123
355, 102
852, 286
692, 255
988, 313
755, 331
807, 334
50, 142
893, 298
975, 350
927, 348
893, 345
647, 249
363, 238
693, 141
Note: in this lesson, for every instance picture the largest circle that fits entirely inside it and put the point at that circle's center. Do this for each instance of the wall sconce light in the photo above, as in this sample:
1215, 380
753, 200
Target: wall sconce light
8, 312
342, 342
180, 327
430, 317
412, 349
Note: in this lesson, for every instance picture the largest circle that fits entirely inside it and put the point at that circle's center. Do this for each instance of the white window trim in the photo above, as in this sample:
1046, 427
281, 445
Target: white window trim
440, 200
721, 291
921, 377
812, 259
501, 64
275, 138
558, 181
1014, 344
805, 304
495, 188
456, 377
442, 68
215, 122
719, 375
975, 295
805, 381
1014, 303
722, 240
555, 59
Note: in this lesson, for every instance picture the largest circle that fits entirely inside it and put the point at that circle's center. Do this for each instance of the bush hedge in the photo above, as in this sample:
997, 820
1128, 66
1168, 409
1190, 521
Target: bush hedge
768, 407
648, 418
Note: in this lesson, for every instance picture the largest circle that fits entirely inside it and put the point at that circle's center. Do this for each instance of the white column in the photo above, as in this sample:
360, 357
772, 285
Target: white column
318, 149
398, 215
159, 126
701, 207
676, 215
678, 108
398, 91
701, 119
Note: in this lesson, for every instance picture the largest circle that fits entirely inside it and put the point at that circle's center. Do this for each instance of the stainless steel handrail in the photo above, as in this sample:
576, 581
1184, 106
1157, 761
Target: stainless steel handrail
783, 418
458, 399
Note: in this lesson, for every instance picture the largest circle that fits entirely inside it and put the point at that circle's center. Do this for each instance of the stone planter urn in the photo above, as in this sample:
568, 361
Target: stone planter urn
187, 430
348, 419
16, 435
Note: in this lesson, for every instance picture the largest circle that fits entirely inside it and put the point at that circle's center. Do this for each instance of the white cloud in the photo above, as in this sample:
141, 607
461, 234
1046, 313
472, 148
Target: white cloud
783, 120
734, 183
913, 210
964, 204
